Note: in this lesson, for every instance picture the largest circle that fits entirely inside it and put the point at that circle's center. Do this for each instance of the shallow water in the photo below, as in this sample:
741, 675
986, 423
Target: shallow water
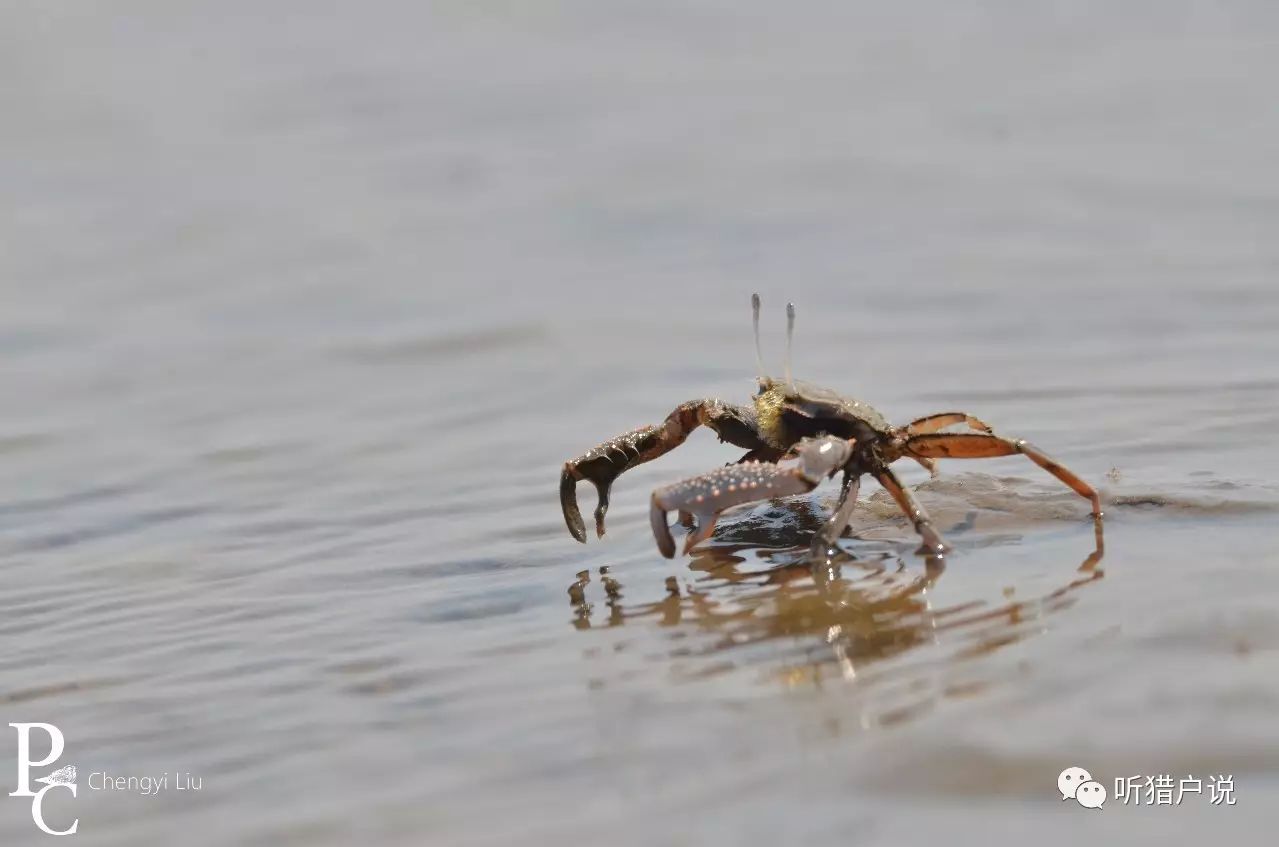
304, 308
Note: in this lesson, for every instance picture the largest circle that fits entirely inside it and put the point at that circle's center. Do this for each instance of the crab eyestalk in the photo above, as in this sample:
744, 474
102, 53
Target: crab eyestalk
790, 337
759, 349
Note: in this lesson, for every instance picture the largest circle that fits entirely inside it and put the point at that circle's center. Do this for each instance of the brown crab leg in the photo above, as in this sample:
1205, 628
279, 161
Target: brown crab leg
707, 495
985, 446
932, 543
941, 420
605, 463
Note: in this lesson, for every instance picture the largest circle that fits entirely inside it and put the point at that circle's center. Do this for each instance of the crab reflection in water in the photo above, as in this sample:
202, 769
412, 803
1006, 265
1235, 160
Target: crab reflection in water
805, 620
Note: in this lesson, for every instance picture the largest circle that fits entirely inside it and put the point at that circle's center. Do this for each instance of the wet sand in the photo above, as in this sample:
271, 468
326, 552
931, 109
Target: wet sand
304, 309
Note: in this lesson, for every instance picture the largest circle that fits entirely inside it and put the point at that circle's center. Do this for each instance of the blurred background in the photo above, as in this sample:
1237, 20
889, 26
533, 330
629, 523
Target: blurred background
303, 306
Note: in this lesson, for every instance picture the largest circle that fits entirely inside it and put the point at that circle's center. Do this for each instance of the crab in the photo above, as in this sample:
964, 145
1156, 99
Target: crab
796, 435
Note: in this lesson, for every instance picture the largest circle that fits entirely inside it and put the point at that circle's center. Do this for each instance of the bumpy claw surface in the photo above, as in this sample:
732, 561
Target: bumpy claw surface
707, 495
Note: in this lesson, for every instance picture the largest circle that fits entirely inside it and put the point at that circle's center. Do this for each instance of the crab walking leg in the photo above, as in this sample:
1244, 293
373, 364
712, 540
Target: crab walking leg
974, 446
707, 495
830, 532
933, 543
941, 420
605, 463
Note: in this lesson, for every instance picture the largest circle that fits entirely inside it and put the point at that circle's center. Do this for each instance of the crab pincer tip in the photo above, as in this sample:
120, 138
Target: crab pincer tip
661, 530
568, 504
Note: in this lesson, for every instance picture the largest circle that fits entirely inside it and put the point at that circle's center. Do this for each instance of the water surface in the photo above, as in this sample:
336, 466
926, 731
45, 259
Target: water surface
304, 307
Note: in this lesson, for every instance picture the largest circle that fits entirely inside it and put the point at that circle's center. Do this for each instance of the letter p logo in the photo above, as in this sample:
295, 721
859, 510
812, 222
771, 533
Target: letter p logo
56, 745
64, 778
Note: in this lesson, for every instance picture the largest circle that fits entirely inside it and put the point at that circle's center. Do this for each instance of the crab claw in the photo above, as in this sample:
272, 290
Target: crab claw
706, 496
568, 501
600, 466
